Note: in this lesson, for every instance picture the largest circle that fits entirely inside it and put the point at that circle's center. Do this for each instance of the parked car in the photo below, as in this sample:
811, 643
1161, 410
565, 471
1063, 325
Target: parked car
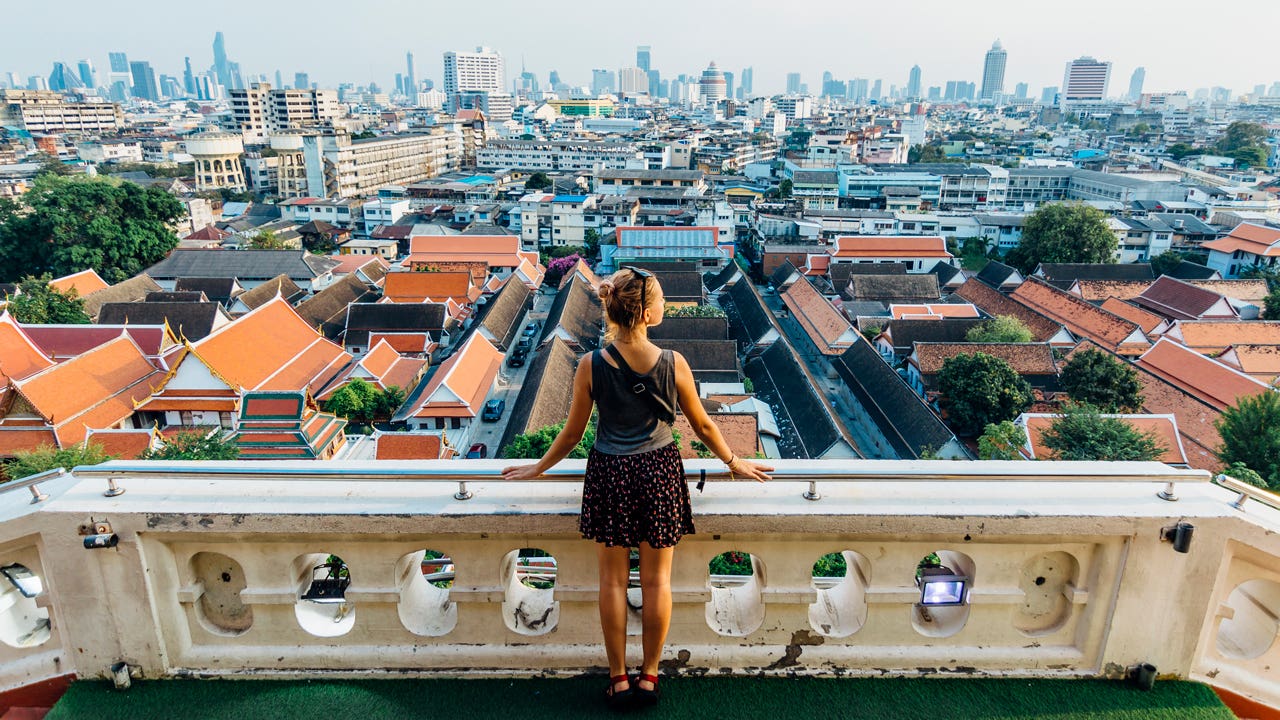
478, 451
493, 410
517, 358
532, 329
525, 344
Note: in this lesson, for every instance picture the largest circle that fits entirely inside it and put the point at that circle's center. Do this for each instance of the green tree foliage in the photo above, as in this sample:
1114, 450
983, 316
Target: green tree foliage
64, 225
1250, 433
1000, 329
703, 311
364, 135
1166, 262
38, 304
978, 390
534, 445
785, 188
1082, 433
1064, 233
1096, 378
1245, 142
266, 240
361, 402
1243, 473
196, 446
47, 457
1271, 306
538, 181
1178, 151
1001, 441
591, 243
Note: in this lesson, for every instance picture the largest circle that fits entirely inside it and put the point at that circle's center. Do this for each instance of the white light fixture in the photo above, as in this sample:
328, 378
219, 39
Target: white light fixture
941, 587
27, 582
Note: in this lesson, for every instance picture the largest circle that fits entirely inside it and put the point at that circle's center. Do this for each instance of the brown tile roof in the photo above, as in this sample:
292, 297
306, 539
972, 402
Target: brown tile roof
1250, 291
1025, 358
1080, 317
327, 309
1210, 337
1254, 239
1209, 380
826, 326
995, 304
546, 393
1098, 290
280, 285
416, 287
741, 431
1144, 319
1178, 300
134, 289
902, 288
1260, 362
122, 444
374, 265
1164, 427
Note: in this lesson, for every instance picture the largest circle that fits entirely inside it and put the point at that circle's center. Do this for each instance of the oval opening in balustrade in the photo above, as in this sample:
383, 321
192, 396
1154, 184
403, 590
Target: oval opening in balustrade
23, 624
943, 578
635, 596
529, 579
1046, 582
425, 578
841, 579
322, 608
736, 608
1252, 628
220, 609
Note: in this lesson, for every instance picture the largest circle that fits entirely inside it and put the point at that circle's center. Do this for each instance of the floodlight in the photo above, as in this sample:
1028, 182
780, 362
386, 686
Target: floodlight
27, 582
941, 587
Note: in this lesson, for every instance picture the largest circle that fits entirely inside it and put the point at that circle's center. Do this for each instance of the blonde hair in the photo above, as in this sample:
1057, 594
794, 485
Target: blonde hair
622, 294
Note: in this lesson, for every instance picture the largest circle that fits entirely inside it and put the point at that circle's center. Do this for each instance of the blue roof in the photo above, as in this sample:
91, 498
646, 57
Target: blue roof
478, 180
569, 198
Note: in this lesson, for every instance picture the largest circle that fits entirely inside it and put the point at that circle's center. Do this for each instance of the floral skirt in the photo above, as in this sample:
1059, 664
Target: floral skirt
630, 499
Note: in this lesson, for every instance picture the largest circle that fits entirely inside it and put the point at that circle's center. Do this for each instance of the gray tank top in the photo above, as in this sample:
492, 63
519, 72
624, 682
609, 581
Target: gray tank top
627, 425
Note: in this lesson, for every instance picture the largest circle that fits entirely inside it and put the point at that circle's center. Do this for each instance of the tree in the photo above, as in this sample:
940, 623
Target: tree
1096, 378
1064, 233
785, 188
1244, 474
1271, 306
538, 181
535, 444
63, 225
591, 243
47, 457
1250, 432
1166, 262
389, 401
1082, 433
1245, 142
1001, 441
364, 135
266, 240
196, 446
1000, 329
558, 267
978, 389
356, 401
1178, 151
38, 304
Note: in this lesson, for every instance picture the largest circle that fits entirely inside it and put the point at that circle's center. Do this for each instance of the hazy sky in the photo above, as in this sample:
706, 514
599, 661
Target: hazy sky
1183, 45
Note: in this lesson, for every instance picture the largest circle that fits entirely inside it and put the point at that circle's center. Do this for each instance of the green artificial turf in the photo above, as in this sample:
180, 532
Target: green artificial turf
703, 698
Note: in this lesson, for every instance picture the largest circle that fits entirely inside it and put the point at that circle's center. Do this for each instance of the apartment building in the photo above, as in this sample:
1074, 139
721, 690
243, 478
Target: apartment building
618, 182
558, 155
259, 110
45, 111
346, 168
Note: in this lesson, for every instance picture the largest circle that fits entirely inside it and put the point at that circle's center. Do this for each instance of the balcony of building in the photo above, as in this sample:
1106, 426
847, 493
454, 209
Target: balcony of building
327, 572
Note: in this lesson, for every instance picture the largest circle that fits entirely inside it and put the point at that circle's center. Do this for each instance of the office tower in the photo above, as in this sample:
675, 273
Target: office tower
410, 76
993, 71
601, 81
63, 78
1275, 90
827, 77
875, 90
553, 79
206, 86
728, 85
279, 79
745, 84
400, 83
169, 87
1085, 80
1049, 96
712, 84
87, 75
1135, 83
119, 62
856, 90
119, 72
642, 58
935, 93
145, 85
633, 81
37, 82
221, 67
913, 83
479, 71
237, 81
1258, 90
1020, 91
301, 81
188, 77
793, 83
655, 80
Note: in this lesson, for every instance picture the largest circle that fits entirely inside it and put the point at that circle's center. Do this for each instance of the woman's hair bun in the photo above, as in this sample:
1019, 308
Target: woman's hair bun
605, 289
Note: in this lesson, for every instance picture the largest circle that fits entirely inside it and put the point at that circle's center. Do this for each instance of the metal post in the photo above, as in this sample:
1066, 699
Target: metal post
812, 493
113, 490
1239, 503
1167, 493
36, 495
463, 493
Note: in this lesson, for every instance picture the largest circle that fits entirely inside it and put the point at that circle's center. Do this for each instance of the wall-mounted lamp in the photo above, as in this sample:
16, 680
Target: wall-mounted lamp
27, 582
98, 534
1179, 535
328, 584
940, 586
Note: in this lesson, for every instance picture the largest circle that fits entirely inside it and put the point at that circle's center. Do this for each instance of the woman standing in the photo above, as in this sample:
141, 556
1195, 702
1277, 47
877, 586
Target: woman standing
634, 493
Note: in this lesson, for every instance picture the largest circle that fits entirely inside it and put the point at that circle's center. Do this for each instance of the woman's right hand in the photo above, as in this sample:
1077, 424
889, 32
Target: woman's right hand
749, 469
521, 472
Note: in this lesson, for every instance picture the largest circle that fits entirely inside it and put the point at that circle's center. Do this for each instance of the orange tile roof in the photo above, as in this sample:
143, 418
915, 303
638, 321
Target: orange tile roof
410, 446
25, 438
1250, 291
416, 287
817, 265
1253, 239
1024, 358
350, 263
741, 431
460, 385
494, 250
19, 357
1209, 380
932, 310
83, 282
383, 367
995, 303
1080, 317
1144, 319
826, 326
890, 246
1164, 427
271, 346
1260, 362
123, 444
1098, 290
1211, 337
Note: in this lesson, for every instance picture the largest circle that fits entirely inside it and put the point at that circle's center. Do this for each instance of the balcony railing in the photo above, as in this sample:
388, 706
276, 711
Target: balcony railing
287, 568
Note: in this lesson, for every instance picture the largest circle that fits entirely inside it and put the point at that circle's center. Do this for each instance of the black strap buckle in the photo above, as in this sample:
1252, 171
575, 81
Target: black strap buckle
638, 388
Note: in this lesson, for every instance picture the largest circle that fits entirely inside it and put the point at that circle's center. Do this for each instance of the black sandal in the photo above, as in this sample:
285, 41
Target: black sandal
646, 698
618, 699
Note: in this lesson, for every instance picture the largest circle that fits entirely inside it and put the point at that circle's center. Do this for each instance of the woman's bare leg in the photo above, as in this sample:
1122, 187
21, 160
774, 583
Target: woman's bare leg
655, 586
614, 564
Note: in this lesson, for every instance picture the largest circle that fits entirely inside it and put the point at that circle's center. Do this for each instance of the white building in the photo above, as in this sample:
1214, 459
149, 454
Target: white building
44, 111
384, 211
795, 107
109, 151
468, 74
633, 81
346, 168
259, 110
1085, 81
558, 155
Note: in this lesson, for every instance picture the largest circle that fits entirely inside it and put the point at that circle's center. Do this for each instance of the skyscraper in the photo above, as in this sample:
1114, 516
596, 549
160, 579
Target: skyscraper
87, 75
642, 58
632, 81
188, 77
601, 81
145, 85
993, 71
1085, 80
913, 83
744, 85
479, 71
1020, 91
410, 76
301, 81
712, 84
793, 83
119, 62
221, 67
728, 85
876, 89
119, 77
279, 79
1135, 83
63, 78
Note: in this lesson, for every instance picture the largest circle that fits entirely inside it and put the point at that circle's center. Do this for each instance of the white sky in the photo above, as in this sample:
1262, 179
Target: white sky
1182, 44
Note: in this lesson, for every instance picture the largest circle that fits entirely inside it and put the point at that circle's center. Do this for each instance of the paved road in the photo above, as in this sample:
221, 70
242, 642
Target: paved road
508, 383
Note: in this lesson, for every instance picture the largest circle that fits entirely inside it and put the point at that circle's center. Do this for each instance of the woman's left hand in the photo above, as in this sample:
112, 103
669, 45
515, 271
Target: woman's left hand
521, 472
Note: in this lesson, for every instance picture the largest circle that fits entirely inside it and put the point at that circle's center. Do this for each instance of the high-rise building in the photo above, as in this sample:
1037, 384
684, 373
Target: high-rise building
468, 73
1085, 80
119, 62
793, 83
260, 110
993, 71
857, 90
237, 80
1135, 83
279, 78
553, 79
63, 78
712, 85
301, 81
410, 76
642, 58
87, 74
633, 81
120, 77
875, 90
913, 83
728, 85
1020, 91
221, 67
935, 93
145, 84
745, 85
601, 81
1049, 95
188, 77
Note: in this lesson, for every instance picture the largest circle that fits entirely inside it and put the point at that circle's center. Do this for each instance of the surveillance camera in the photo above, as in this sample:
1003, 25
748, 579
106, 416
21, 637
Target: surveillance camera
104, 540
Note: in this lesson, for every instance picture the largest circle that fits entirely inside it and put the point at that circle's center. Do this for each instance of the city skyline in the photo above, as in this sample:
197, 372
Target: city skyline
948, 45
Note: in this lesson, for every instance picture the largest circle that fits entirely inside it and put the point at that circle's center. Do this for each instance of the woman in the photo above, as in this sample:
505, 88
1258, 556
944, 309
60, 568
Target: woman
634, 493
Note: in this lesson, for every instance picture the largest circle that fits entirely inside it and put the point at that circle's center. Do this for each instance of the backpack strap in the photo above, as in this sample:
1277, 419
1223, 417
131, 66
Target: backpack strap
645, 387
